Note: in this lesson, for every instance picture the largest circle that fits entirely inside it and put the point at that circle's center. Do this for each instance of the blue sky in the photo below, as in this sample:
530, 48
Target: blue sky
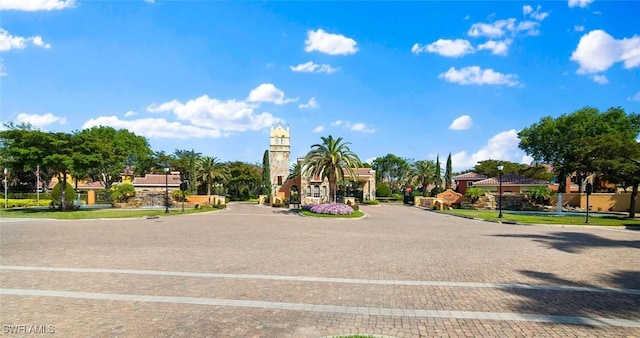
414, 79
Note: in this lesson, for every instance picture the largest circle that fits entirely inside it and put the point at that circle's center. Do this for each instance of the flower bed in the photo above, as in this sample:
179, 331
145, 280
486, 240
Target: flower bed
329, 208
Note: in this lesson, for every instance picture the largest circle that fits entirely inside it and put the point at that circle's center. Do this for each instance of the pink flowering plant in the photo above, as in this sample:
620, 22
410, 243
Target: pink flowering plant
329, 208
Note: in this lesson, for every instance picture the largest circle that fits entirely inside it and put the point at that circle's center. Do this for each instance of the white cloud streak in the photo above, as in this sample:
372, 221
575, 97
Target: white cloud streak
156, 128
634, 97
445, 47
502, 146
536, 14
500, 48
328, 43
311, 67
8, 41
597, 51
500, 28
40, 121
463, 122
600, 79
267, 92
474, 75
318, 129
312, 104
35, 5
579, 3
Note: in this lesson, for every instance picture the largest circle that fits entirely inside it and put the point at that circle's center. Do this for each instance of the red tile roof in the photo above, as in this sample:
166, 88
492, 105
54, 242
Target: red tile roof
469, 177
511, 180
153, 180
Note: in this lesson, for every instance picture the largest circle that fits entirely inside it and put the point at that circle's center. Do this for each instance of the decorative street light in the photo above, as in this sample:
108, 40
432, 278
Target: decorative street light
500, 168
166, 188
6, 174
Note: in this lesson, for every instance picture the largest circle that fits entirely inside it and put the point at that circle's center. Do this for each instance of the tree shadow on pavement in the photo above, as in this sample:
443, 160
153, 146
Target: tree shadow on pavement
574, 242
621, 301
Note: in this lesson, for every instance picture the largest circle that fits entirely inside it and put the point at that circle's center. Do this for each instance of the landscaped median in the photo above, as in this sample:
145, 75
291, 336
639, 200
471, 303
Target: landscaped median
94, 213
331, 210
551, 218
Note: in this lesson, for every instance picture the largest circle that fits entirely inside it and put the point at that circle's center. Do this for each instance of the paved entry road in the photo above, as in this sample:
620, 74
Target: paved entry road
255, 271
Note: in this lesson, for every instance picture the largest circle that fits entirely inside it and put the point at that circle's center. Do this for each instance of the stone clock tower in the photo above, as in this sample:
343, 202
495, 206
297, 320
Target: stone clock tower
279, 150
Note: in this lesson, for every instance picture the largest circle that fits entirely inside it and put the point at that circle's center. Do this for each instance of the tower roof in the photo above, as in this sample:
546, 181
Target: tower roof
279, 131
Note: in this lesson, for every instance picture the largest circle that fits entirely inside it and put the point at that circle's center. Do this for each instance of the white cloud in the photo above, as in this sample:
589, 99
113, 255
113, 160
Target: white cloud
463, 122
155, 128
476, 76
600, 79
37, 40
309, 105
35, 5
40, 121
496, 47
360, 127
318, 129
337, 123
578, 28
579, 3
536, 14
503, 146
206, 112
2, 72
311, 67
499, 28
634, 97
150, 1
597, 51
8, 41
130, 113
332, 44
267, 92
445, 47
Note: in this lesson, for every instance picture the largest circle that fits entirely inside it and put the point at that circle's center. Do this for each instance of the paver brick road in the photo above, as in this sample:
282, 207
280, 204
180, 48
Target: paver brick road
254, 271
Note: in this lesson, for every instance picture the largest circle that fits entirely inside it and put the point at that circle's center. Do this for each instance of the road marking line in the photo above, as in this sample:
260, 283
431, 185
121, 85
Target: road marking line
502, 316
328, 279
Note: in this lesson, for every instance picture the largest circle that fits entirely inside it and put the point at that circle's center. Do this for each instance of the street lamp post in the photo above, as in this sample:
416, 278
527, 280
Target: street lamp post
6, 201
275, 192
166, 188
500, 168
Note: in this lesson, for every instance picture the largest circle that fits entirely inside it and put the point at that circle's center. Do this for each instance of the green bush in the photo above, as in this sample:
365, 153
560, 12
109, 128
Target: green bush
540, 194
69, 196
178, 196
474, 193
355, 207
397, 197
122, 192
382, 190
371, 202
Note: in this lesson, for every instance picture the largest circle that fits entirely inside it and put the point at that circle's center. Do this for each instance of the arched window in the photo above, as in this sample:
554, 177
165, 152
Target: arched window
324, 191
308, 191
316, 191
277, 141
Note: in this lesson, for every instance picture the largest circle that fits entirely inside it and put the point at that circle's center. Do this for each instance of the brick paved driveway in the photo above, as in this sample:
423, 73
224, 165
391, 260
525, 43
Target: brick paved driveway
253, 271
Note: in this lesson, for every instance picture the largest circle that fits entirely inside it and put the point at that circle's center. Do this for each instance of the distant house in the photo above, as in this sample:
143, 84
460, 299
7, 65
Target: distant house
465, 181
510, 183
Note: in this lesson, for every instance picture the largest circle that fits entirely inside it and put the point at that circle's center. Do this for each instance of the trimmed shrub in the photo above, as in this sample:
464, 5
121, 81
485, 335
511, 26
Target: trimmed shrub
474, 194
25, 203
69, 196
178, 196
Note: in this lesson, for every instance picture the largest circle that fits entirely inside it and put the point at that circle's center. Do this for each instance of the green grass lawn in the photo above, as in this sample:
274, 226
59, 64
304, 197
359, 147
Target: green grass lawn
93, 213
355, 214
492, 215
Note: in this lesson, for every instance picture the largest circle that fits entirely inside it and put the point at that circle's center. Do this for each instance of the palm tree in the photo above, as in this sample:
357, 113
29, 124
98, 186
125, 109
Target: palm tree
329, 160
294, 170
422, 172
209, 170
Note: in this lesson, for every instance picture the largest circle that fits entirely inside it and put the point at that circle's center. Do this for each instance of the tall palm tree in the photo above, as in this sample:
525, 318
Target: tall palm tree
209, 170
329, 160
422, 172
